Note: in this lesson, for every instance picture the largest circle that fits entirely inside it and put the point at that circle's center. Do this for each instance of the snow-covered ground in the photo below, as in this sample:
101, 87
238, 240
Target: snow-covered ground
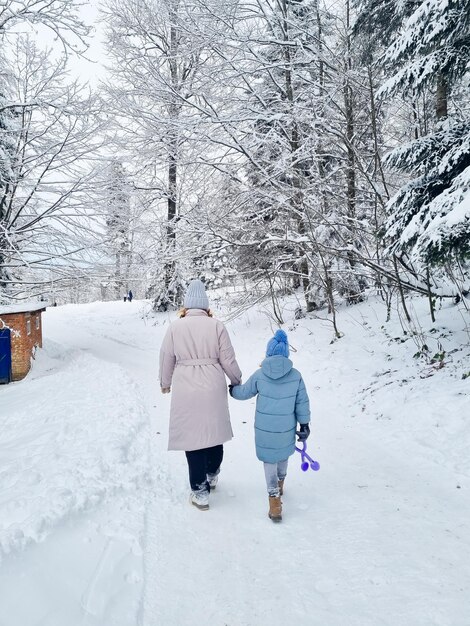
95, 524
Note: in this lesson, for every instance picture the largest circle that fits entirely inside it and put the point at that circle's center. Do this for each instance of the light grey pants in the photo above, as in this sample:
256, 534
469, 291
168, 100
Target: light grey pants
275, 472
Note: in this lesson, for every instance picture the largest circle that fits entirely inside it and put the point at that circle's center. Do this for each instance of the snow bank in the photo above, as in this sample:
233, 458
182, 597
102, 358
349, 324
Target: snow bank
73, 436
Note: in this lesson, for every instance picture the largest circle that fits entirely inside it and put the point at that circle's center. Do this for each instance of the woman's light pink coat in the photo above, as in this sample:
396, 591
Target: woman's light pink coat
199, 415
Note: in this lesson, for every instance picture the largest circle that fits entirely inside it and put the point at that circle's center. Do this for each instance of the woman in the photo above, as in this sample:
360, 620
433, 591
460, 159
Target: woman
195, 356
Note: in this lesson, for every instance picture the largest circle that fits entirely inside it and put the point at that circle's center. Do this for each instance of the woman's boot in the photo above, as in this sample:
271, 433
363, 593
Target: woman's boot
280, 484
275, 508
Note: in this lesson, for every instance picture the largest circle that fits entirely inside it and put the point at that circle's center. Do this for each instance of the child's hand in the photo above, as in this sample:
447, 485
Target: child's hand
303, 433
166, 389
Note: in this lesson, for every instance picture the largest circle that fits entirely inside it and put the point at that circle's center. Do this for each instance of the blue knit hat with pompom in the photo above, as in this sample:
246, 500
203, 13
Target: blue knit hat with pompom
278, 345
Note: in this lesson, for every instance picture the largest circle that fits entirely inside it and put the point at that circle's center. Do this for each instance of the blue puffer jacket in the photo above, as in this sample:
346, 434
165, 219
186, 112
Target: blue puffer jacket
282, 402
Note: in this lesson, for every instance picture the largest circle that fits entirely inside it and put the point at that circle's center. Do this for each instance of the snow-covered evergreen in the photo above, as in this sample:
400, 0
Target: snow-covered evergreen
428, 52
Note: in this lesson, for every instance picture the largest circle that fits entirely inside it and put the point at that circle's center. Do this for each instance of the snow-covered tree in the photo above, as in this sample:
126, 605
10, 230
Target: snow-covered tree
118, 221
8, 137
429, 217
61, 17
300, 128
266, 118
45, 207
157, 61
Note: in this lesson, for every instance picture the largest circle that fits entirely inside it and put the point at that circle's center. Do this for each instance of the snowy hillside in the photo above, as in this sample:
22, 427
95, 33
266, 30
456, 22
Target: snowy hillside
95, 524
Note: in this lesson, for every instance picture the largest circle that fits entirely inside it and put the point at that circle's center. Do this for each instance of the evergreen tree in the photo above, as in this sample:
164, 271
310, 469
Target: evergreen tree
429, 217
118, 216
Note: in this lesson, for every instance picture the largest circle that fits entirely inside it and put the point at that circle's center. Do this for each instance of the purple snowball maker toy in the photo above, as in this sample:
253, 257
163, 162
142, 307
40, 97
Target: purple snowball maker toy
307, 460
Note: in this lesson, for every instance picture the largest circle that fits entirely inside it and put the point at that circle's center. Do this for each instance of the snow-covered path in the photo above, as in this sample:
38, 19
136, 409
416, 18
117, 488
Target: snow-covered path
379, 536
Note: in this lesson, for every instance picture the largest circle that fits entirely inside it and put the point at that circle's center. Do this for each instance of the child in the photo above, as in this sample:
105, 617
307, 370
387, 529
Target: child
282, 402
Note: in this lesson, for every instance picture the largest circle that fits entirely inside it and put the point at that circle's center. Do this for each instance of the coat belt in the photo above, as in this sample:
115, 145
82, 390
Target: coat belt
197, 362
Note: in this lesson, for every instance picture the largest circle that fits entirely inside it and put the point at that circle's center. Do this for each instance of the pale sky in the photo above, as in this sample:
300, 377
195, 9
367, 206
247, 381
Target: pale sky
92, 70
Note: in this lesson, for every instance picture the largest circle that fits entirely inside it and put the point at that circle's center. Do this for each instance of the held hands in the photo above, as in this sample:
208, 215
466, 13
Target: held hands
165, 389
303, 433
231, 386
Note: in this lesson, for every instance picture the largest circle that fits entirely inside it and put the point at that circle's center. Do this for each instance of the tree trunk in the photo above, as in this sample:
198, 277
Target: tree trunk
171, 213
297, 199
430, 296
401, 290
172, 290
441, 96
352, 295
349, 113
117, 276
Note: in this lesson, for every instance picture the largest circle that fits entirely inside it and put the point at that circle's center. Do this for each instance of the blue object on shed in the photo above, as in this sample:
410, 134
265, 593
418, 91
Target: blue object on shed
5, 355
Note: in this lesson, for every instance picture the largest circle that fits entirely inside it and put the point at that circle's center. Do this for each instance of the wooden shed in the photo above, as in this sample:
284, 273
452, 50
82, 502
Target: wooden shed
20, 335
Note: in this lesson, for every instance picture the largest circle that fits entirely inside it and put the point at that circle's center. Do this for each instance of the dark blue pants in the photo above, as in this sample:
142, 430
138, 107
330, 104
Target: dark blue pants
203, 462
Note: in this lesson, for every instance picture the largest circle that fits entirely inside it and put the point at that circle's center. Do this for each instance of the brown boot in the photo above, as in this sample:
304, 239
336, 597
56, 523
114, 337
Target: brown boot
275, 508
280, 484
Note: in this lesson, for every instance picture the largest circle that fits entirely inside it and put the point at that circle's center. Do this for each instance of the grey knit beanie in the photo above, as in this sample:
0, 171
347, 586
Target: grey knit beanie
196, 297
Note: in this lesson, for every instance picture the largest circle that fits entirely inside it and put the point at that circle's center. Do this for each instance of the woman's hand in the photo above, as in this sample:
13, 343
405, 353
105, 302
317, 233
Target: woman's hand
165, 389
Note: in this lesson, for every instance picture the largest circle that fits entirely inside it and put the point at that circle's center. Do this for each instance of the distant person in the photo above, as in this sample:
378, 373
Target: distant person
282, 403
195, 356
130, 296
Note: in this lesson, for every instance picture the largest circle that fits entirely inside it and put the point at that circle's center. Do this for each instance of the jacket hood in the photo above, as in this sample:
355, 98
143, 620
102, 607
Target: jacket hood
276, 366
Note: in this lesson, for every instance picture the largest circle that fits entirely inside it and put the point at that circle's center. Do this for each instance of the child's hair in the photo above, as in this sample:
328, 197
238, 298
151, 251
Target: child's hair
182, 312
